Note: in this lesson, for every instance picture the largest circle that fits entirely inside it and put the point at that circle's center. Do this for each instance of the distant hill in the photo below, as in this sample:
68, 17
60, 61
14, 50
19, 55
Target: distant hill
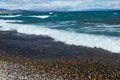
45, 10
7, 11
98, 9
2, 9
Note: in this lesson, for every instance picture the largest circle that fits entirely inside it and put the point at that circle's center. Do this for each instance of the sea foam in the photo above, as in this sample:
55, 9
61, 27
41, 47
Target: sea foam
42, 17
69, 37
10, 16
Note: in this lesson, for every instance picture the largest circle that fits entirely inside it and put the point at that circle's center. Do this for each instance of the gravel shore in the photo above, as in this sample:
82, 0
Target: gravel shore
28, 57
9, 71
15, 68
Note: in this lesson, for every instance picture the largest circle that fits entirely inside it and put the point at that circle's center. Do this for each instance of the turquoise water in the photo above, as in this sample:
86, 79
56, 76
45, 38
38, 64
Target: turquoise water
92, 29
99, 23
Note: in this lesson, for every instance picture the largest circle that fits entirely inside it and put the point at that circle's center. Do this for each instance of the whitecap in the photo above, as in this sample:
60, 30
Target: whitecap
5, 16
42, 17
72, 38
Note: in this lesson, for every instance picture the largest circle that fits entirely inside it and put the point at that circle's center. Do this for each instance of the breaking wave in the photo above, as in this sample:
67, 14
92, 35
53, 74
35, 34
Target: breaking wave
69, 37
9, 16
42, 17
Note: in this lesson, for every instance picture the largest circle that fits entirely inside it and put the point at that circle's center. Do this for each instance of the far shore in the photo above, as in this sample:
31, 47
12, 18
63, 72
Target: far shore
8, 12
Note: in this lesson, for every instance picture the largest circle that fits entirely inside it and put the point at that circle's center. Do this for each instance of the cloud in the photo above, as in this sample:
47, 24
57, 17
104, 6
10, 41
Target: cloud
15, 1
58, 4
105, 5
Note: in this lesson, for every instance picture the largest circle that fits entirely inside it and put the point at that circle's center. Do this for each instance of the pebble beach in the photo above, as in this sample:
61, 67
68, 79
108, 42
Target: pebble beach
15, 68
28, 57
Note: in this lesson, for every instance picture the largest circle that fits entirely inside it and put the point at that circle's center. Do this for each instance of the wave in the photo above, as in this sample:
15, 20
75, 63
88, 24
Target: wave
10, 16
43, 17
73, 38
9, 21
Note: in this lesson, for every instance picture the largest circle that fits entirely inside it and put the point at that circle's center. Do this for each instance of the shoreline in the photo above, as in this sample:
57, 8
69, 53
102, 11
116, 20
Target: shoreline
39, 57
43, 47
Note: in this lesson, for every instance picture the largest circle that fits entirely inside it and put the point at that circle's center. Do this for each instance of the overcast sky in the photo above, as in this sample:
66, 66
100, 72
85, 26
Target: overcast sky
60, 4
